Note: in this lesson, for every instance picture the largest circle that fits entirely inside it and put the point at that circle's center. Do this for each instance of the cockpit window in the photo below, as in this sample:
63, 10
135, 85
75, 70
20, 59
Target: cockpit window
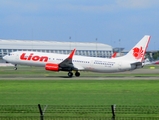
10, 54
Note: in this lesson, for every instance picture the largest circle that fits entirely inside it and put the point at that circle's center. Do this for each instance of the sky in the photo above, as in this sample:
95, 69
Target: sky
119, 23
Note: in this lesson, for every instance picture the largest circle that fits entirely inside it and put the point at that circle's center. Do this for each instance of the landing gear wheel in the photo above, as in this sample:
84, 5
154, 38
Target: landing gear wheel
70, 74
15, 67
77, 74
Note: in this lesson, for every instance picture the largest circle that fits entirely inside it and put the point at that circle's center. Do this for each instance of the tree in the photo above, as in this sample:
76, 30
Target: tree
155, 55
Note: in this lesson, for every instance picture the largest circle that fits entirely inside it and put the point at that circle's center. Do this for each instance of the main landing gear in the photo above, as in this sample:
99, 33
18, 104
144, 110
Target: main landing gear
70, 74
15, 67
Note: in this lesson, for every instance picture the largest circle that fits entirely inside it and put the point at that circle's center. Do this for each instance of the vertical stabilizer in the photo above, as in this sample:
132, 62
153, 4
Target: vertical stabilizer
137, 53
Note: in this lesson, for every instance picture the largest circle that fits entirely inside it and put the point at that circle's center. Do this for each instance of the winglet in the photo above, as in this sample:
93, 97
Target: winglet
68, 61
72, 53
114, 55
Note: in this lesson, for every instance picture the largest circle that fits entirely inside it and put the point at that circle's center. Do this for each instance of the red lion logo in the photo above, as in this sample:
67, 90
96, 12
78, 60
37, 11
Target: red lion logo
138, 53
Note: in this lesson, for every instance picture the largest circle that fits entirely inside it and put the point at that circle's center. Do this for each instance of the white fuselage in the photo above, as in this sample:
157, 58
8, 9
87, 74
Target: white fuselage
81, 62
60, 62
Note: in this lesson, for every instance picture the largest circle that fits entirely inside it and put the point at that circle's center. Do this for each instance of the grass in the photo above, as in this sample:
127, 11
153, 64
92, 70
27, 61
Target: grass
76, 92
79, 92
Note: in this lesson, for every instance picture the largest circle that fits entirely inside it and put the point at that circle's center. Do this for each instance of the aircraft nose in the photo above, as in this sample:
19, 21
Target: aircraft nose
5, 57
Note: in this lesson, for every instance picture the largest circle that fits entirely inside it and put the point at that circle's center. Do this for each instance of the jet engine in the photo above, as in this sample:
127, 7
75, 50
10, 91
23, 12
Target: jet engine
52, 67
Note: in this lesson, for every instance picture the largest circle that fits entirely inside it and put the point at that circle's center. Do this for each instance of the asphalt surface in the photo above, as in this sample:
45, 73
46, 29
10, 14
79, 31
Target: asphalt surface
112, 76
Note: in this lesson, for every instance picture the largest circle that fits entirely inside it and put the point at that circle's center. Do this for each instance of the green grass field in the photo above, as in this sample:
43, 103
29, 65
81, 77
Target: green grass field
76, 92
79, 92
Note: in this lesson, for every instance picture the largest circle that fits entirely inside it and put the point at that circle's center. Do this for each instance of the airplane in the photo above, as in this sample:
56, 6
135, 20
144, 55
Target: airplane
148, 62
61, 62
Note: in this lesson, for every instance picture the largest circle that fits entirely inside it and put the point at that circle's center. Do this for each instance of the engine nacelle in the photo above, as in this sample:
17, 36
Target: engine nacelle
52, 67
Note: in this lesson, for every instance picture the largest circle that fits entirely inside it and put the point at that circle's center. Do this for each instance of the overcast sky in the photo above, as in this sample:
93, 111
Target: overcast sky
119, 23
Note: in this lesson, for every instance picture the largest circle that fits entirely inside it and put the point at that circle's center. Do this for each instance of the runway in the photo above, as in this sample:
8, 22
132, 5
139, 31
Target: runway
79, 78
128, 75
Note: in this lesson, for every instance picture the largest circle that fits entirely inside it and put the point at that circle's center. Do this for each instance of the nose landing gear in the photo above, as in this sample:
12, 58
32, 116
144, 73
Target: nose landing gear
15, 67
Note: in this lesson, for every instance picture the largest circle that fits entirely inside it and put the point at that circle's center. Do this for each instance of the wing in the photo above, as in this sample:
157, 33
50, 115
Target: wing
67, 64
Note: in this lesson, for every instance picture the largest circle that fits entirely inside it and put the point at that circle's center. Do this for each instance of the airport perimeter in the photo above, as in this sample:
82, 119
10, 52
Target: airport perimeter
89, 97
